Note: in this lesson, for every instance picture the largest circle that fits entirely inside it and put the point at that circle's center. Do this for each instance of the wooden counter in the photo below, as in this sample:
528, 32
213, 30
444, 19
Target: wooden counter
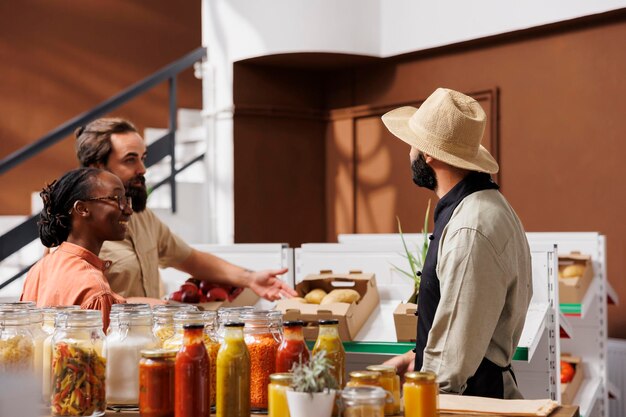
563, 411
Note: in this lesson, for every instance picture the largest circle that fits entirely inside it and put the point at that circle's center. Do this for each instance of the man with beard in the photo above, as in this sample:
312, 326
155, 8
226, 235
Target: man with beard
476, 281
115, 145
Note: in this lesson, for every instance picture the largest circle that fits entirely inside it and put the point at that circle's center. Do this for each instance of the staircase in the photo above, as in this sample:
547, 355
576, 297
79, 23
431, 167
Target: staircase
188, 222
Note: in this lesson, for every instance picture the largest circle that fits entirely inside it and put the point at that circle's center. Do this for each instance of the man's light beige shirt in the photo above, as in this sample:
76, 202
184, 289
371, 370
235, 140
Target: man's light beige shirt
149, 244
484, 270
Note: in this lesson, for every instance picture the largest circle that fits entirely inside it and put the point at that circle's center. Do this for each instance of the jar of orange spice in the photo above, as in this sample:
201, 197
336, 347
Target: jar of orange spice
263, 334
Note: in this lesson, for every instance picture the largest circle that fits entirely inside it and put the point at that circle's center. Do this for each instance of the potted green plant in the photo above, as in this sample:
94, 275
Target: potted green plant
313, 388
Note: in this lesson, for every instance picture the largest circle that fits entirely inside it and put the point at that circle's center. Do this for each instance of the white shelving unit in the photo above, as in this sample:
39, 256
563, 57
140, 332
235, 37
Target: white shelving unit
536, 359
588, 320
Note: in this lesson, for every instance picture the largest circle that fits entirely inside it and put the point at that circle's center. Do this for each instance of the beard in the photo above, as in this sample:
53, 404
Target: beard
423, 174
138, 193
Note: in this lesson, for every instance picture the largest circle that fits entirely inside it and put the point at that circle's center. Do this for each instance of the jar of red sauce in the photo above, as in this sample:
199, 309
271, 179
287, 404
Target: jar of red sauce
156, 383
191, 375
293, 348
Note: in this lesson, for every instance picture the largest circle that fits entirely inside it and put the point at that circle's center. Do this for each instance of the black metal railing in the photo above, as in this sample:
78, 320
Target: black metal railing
21, 235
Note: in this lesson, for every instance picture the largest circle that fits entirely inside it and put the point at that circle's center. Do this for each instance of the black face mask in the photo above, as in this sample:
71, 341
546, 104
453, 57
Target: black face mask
139, 194
423, 174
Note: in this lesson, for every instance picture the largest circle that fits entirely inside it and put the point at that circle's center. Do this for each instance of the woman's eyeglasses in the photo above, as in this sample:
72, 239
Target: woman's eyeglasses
122, 201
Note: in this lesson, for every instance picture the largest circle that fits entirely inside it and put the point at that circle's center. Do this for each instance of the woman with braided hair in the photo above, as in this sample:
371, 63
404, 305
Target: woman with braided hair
82, 209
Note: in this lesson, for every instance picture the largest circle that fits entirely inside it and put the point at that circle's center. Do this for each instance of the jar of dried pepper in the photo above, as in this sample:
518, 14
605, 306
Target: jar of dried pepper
263, 334
78, 366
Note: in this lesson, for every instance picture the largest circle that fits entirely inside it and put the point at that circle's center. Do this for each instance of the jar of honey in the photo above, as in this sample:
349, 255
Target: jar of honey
421, 394
277, 395
361, 378
389, 381
156, 383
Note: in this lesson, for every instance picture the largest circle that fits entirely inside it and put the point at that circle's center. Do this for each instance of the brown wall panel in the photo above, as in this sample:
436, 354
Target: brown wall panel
61, 58
279, 180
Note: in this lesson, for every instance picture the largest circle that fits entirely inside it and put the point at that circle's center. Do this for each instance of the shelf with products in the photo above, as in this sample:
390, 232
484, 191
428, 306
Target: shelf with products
587, 320
378, 254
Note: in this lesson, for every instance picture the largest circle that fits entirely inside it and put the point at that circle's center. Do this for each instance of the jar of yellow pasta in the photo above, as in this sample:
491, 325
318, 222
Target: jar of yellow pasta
17, 349
163, 319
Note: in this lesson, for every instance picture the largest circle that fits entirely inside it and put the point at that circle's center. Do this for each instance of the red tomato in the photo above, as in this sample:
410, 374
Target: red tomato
567, 372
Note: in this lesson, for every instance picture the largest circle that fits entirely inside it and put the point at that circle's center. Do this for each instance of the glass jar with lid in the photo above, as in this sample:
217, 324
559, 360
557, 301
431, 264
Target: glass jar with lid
208, 319
163, 319
39, 338
78, 364
421, 394
156, 383
277, 395
48, 325
263, 334
390, 381
361, 378
363, 401
130, 331
229, 314
16, 341
17, 305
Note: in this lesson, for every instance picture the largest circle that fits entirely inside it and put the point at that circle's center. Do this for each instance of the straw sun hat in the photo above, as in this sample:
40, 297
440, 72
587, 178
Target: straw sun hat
448, 126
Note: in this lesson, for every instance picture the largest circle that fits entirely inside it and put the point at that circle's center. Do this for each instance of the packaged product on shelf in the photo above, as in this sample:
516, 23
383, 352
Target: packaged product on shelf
292, 349
191, 381
349, 298
78, 367
233, 373
263, 333
130, 331
329, 341
575, 276
16, 341
156, 383
572, 375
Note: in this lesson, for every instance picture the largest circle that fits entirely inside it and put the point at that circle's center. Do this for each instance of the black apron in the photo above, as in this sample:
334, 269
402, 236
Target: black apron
488, 379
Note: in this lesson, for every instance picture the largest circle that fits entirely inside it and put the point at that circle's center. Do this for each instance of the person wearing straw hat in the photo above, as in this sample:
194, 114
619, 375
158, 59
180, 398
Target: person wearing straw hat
476, 281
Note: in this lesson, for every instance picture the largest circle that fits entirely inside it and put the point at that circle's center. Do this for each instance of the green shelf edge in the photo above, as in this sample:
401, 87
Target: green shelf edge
567, 308
398, 348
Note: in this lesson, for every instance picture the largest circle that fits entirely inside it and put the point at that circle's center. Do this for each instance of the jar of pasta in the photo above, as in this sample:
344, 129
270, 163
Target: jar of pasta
78, 364
421, 394
207, 319
163, 319
389, 381
48, 326
263, 334
130, 331
363, 401
16, 341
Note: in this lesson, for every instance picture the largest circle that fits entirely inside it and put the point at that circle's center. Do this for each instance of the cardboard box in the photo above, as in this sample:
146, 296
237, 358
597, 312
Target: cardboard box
569, 390
405, 319
351, 316
572, 289
246, 298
